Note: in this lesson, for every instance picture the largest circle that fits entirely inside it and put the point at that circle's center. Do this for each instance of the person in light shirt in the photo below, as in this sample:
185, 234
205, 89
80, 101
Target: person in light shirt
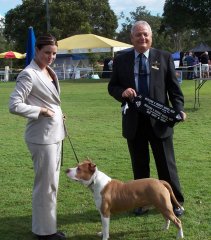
37, 97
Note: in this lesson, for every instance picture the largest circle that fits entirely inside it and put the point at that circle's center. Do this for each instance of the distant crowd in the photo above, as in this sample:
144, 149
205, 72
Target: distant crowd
192, 61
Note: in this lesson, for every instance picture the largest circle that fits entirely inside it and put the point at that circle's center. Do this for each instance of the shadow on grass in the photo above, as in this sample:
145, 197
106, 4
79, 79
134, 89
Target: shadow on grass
93, 216
19, 228
144, 232
117, 236
15, 228
189, 109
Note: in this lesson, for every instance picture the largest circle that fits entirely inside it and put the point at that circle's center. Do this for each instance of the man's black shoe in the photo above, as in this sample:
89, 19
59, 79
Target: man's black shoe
140, 211
178, 211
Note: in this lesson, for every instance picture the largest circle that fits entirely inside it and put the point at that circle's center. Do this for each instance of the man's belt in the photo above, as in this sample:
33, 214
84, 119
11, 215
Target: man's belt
157, 110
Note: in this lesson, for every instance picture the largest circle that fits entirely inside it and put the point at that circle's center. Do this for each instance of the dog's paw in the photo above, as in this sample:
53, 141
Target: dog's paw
180, 234
166, 225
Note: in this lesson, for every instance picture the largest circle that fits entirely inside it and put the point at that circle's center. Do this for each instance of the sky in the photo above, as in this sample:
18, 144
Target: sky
153, 6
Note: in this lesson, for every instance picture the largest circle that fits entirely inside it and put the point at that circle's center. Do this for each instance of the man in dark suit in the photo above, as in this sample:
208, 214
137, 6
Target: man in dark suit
159, 82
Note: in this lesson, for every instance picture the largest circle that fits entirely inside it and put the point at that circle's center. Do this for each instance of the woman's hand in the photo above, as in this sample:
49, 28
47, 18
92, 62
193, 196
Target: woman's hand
46, 112
64, 117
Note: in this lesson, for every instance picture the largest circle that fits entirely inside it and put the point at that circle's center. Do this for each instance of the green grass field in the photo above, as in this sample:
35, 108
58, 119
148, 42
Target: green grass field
94, 124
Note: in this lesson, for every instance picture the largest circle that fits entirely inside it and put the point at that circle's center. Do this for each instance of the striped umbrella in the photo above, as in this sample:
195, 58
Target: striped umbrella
11, 54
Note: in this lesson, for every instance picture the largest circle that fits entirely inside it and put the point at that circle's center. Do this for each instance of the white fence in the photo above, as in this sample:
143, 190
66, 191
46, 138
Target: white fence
89, 72
65, 72
2, 75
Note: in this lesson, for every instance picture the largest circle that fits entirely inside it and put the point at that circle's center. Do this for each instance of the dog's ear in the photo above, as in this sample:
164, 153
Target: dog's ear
88, 160
92, 167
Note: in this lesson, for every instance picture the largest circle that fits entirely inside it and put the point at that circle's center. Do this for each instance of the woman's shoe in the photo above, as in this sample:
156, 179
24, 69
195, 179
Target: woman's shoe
55, 236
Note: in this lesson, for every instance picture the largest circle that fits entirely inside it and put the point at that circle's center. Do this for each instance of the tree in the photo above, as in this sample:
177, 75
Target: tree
155, 21
67, 18
186, 22
17, 21
3, 43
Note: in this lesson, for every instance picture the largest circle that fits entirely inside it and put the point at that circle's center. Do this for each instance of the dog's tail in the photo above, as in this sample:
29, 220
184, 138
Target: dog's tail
173, 198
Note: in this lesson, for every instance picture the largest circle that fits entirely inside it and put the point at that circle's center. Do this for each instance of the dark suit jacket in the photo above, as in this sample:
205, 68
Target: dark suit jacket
163, 87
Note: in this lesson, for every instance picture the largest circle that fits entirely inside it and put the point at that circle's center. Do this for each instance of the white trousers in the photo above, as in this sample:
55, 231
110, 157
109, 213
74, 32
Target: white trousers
46, 159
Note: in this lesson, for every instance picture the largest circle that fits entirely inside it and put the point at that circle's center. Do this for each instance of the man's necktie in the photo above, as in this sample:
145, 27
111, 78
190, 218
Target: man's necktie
142, 76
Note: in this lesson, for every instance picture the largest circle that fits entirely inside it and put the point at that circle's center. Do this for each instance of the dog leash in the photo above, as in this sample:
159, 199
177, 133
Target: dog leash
68, 137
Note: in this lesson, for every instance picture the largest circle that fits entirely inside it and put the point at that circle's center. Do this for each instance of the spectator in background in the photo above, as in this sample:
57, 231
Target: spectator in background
184, 63
190, 62
106, 71
110, 64
209, 63
196, 65
204, 59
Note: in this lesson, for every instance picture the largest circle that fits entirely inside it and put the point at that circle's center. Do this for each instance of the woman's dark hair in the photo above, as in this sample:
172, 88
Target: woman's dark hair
44, 40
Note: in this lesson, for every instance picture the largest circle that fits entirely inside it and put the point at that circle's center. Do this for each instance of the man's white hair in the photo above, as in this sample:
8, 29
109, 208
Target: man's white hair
140, 23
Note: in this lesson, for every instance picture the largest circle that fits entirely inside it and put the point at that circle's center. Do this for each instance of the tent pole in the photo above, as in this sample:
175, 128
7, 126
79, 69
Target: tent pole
112, 51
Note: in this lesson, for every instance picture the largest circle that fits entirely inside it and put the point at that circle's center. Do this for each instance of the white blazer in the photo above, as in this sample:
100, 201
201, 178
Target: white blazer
33, 90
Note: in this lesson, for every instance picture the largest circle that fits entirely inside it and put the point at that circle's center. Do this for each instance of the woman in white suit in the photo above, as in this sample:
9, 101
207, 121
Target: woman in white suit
36, 97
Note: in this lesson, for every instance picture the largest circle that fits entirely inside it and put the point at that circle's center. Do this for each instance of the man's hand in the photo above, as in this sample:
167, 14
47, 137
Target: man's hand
183, 115
129, 93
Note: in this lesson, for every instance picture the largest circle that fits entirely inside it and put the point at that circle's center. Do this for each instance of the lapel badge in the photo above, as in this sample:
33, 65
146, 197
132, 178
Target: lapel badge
155, 65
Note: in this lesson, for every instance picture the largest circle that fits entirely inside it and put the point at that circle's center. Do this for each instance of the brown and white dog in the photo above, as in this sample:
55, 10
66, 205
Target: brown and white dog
112, 196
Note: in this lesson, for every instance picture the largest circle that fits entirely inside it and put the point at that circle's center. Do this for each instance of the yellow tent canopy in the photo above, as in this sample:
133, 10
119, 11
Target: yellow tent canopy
89, 43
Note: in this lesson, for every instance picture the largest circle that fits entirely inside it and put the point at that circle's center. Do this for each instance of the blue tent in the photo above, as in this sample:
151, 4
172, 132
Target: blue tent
176, 55
202, 47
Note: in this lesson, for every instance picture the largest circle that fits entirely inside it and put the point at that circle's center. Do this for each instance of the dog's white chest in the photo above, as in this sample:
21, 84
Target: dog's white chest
98, 185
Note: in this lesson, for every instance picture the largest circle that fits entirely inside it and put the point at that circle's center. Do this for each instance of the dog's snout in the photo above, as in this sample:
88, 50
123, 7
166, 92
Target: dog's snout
68, 170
